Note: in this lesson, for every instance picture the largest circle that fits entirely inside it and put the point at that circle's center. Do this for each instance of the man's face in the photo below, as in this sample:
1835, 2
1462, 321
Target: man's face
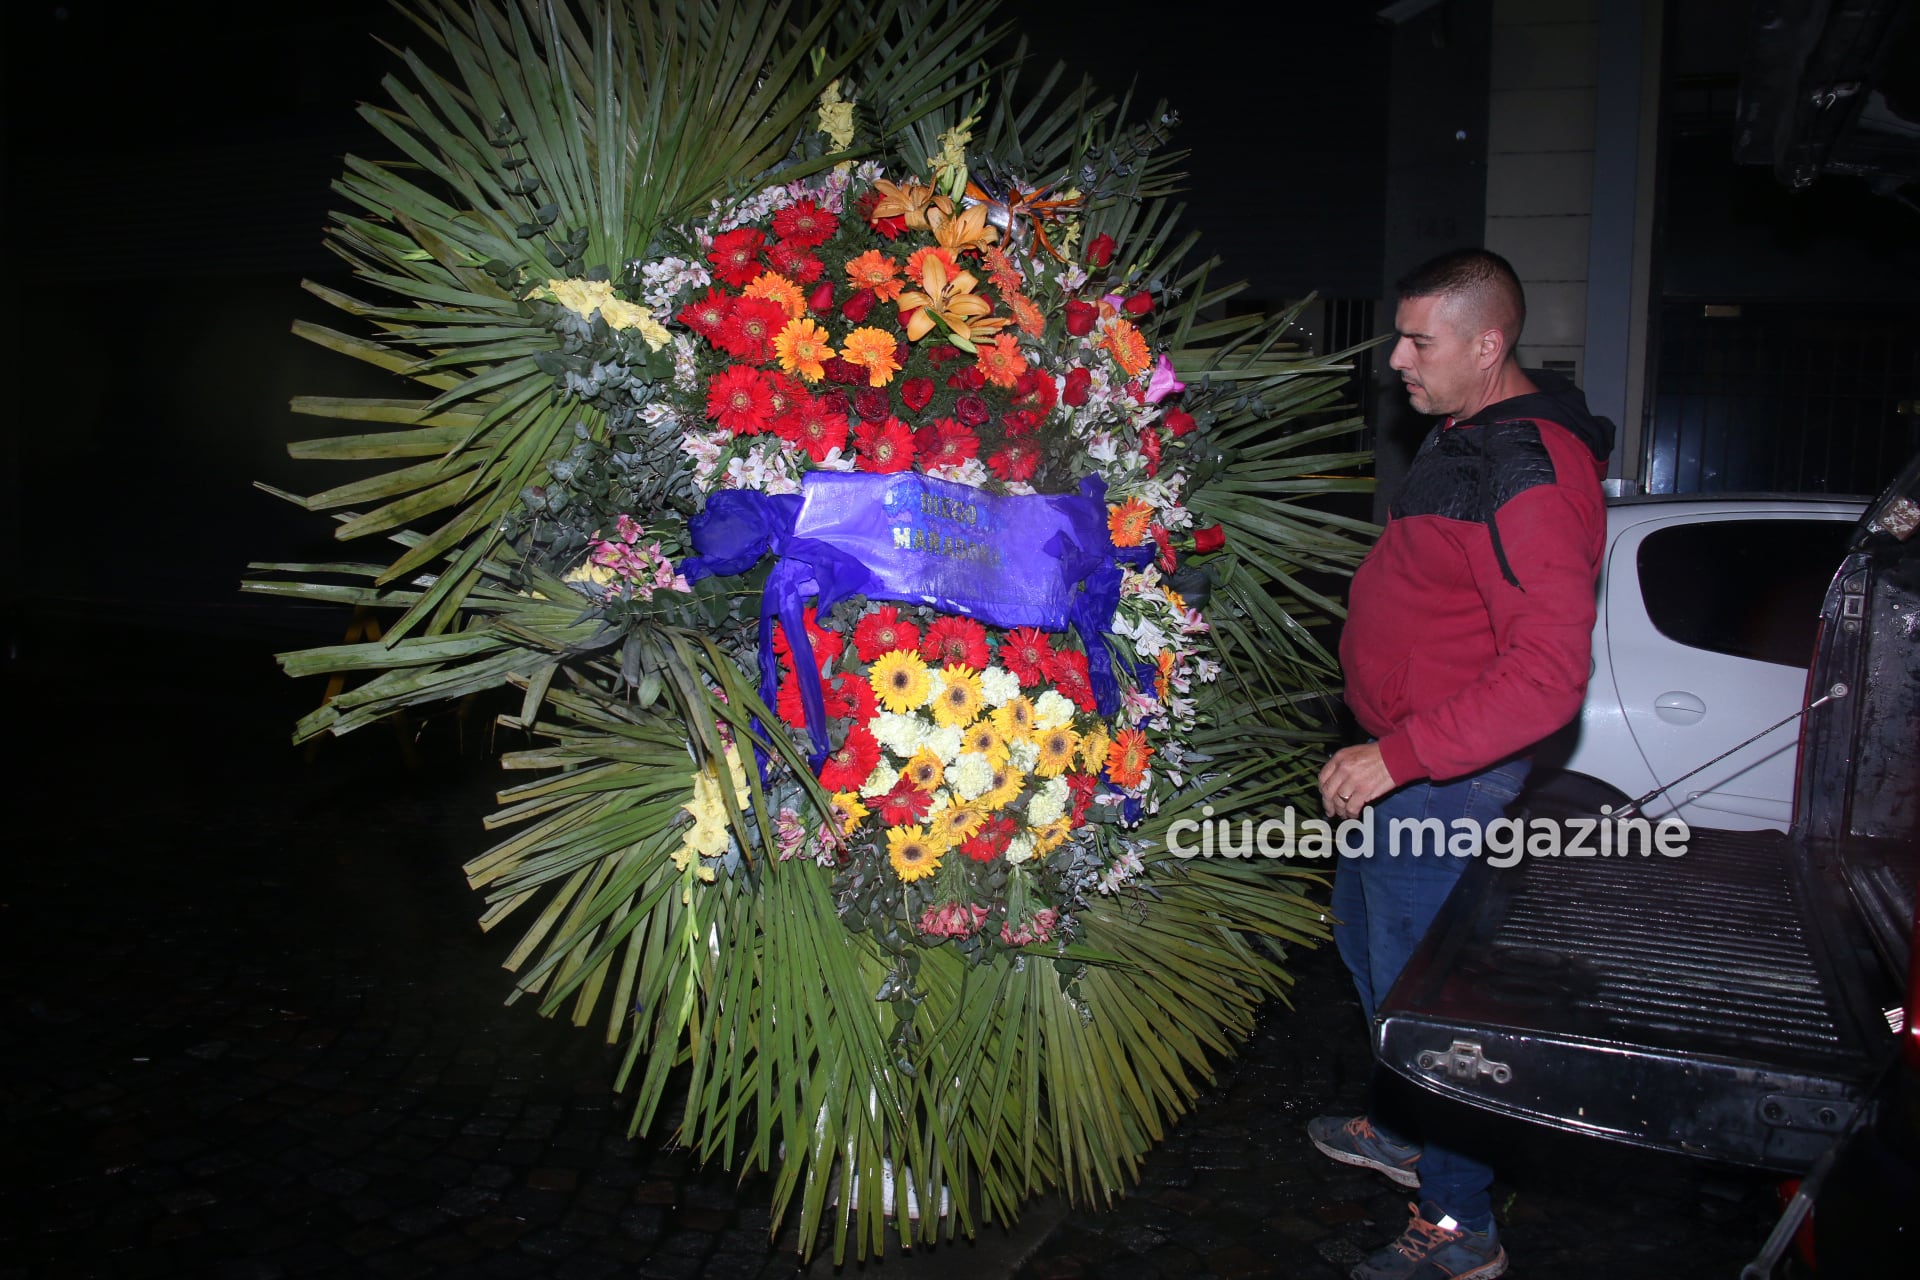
1439, 363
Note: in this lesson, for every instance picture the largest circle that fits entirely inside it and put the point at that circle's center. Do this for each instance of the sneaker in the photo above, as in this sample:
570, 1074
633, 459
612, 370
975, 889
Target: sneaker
1355, 1141
1436, 1250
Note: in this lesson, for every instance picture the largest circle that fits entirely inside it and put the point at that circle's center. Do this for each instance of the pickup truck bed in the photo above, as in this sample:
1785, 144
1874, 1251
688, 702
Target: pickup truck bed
1717, 1003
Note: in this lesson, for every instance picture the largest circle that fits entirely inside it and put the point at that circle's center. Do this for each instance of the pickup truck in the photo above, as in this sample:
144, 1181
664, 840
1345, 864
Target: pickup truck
1755, 1000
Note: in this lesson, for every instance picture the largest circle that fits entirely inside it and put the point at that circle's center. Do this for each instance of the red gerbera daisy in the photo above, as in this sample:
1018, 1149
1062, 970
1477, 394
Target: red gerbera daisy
1018, 460
991, 840
903, 805
857, 696
805, 223
707, 316
736, 256
827, 643
750, 329
1081, 787
849, 765
1036, 391
783, 395
739, 400
787, 702
884, 631
1027, 652
884, 446
944, 443
951, 640
795, 263
817, 427
1068, 671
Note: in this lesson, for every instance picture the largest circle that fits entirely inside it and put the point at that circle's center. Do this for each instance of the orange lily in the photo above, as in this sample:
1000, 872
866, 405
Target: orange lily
908, 200
968, 230
953, 300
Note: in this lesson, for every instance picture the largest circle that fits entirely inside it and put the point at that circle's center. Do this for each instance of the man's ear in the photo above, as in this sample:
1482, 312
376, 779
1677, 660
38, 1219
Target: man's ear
1490, 349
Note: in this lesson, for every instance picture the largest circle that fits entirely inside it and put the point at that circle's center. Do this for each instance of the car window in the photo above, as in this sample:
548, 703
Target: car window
1749, 588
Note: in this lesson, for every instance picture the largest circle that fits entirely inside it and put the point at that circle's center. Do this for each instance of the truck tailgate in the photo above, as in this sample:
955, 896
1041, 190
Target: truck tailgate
1721, 1003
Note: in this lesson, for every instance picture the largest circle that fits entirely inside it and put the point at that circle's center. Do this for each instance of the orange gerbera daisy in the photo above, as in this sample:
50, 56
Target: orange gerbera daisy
1002, 270
1127, 347
804, 347
876, 271
776, 288
1128, 758
1026, 313
917, 262
1001, 361
872, 350
1129, 522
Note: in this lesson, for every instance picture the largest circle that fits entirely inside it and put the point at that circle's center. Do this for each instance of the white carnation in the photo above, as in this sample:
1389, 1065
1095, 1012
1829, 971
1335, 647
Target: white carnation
1048, 804
1024, 754
1052, 709
1020, 849
944, 741
970, 775
899, 734
882, 780
999, 686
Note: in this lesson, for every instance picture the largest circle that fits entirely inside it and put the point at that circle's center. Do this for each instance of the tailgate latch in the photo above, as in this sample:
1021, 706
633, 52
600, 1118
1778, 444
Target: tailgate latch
1465, 1062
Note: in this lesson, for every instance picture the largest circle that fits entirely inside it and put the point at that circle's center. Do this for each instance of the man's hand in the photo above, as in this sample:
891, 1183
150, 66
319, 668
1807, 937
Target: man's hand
1353, 779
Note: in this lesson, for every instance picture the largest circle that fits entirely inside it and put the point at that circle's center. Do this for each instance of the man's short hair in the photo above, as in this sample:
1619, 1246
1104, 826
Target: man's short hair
1478, 275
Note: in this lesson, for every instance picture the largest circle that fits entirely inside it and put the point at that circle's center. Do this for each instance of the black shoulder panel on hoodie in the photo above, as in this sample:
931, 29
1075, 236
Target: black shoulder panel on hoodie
1470, 472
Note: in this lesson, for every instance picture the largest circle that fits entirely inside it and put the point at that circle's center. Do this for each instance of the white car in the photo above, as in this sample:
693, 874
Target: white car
1708, 607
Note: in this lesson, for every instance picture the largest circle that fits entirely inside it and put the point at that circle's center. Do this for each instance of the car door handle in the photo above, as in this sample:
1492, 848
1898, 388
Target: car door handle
1676, 707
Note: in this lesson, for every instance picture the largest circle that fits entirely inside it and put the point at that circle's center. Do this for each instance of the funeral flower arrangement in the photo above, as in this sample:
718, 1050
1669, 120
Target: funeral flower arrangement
885, 534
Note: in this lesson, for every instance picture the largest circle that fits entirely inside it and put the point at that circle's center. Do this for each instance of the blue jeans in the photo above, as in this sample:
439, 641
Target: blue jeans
1384, 904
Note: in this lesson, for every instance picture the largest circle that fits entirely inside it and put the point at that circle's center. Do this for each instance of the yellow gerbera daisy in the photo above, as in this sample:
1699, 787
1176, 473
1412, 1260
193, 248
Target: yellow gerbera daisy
914, 854
899, 680
775, 287
985, 737
960, 701
1014, 719
957, 822
847, 807
1050, 837
872, 350
1007, 784
924, 771
1093, 750
1057, 747
804, 348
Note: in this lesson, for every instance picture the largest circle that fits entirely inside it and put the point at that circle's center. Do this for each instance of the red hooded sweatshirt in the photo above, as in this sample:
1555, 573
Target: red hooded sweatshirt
1469, 628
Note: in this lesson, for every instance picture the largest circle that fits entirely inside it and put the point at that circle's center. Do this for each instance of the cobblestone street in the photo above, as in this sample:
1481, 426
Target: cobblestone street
253, 1032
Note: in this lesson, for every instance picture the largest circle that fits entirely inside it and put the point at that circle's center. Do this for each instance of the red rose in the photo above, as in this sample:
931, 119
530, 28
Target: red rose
1179, 421
1018, 422
1081, 317
1211, 538
871, 403
843, 372
822, 296
902, 353
945, 352
1079, 383
856, 307
972, 410
1139, 304
1100, 249
916, 393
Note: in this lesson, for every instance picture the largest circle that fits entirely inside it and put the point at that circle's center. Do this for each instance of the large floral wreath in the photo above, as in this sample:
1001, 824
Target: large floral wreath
888, 534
